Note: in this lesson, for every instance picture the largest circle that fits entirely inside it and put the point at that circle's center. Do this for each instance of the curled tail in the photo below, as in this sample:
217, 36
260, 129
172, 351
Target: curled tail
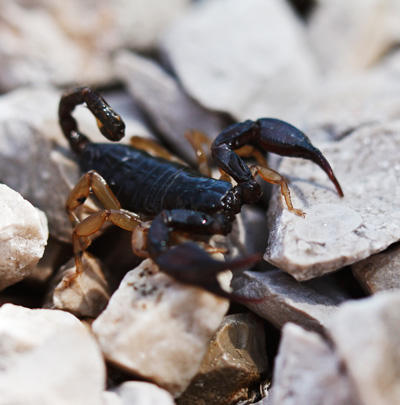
110, 123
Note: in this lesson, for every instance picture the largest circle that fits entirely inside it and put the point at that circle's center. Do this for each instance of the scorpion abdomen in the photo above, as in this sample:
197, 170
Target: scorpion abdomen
146, 184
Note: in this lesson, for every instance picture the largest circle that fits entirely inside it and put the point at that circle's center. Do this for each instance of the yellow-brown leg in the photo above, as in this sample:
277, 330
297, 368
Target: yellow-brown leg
268, 175
153, 148
93, 182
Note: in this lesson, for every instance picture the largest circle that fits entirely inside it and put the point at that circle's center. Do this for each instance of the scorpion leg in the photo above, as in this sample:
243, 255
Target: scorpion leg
154, 148
93, 182
270, 135
187, 262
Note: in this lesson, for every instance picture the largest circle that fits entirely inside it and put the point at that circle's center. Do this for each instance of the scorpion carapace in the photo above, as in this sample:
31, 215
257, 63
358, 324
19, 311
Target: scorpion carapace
178, 198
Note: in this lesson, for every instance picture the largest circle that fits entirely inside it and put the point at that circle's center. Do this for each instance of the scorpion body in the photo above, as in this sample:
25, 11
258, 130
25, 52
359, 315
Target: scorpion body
148, 185
175, 196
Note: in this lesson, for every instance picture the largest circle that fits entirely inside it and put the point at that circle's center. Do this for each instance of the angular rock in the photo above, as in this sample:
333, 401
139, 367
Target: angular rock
309, 304
81, 41
227, 52
23, 237
379, 272
171, 110
365, 335
351, 36
34, 157
86, 296
235, 360
56, 344
157, 328
143, 393
308, 371
342, 105
338, 231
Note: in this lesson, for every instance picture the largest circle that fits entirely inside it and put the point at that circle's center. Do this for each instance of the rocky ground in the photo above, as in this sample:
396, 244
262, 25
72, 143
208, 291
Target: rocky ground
321, 320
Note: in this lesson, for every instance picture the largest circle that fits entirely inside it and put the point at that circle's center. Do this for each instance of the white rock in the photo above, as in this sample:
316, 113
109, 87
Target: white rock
250, 59
34, 156
172, 111
157, 328
309, 304
308, 371
48, 357
350, 36
337, 232
86, 296
69, 43
143, 393
23, 237
365, 334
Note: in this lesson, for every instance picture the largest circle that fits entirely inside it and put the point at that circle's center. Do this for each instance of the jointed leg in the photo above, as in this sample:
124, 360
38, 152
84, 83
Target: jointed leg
153, 148
93, 182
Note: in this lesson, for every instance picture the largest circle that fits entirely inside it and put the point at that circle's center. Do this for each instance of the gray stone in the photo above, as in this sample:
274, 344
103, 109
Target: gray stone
48, 357
157, 328
172, 111
142, 393
351, 36
250, 59
235, 360
379, 272
23, 237
86, 296
308, 371
281, 299
365, 335
69, 43
337, 232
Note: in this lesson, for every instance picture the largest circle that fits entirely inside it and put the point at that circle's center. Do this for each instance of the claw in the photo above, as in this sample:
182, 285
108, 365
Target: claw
191, 265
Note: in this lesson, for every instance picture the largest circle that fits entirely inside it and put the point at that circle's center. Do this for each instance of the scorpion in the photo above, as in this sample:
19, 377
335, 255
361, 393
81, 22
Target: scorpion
178, 198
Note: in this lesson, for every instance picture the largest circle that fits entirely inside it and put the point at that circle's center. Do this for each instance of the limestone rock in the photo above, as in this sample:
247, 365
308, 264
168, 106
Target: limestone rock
86, 296
351, 36
157, 328
309, 304
235, 360
143, 393
82, 38
365, 335
23, 237
172, 111
308, 371
338, 232
379, 272
48, 357
250, 59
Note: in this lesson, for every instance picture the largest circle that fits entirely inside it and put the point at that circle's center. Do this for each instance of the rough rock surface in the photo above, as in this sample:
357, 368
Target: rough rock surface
309, 304
234, 361
308, 371
172, 111
23, 237
226, 51
142, 393
337, 232
168, 352
359, 33
83, 37
56, 343
86, 296
365, 335
379, 272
